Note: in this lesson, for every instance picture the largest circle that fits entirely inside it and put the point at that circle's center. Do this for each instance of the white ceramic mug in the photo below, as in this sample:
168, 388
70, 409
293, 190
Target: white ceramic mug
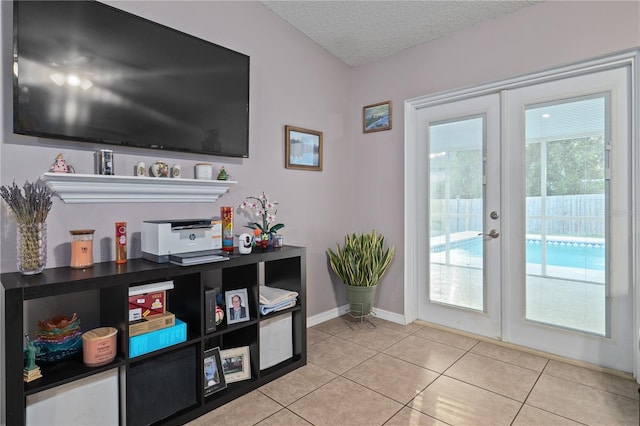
244, 243
141, 169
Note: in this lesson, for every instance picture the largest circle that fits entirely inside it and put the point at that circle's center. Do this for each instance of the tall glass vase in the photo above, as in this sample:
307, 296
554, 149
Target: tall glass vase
32, 247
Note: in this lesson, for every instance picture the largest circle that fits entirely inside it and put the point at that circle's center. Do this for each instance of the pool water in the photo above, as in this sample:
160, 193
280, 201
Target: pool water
565, 254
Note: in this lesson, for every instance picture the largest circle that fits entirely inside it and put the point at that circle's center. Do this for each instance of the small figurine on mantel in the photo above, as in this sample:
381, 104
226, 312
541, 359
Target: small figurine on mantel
61, 166
31, 371
223, 174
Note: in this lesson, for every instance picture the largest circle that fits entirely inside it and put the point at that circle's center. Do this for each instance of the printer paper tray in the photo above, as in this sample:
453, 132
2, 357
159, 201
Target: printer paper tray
198, 257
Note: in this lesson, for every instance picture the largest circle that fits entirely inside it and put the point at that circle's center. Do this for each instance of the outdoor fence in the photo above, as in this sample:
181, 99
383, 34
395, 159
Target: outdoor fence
571, 215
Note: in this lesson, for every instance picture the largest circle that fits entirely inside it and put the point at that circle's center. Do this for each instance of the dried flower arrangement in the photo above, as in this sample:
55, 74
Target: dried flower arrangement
30, 209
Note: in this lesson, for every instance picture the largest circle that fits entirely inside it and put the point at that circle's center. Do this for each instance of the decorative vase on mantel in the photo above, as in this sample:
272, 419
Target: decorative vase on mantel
31, 247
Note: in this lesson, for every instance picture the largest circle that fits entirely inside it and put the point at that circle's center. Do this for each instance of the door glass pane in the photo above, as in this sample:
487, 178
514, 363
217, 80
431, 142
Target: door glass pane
456, 205
565, 214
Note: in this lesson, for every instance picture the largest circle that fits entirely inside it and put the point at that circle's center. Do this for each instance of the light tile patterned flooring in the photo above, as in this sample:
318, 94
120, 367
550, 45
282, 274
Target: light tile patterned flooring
417, 375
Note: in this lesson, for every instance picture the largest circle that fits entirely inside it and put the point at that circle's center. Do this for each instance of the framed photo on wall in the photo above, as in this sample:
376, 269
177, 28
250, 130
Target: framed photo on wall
214, 379
303, 148
236, 364
377, 117
237, 306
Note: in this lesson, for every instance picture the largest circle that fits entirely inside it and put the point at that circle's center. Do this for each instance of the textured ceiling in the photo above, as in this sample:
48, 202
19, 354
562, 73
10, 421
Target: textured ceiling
360, 31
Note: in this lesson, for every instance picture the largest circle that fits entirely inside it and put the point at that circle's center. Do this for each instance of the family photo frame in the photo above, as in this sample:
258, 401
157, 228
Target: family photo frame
236, 364
303, 148
377, 117
214, 379
237, 306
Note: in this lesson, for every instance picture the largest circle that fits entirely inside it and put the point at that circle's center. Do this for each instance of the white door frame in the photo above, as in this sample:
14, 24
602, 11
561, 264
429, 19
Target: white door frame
415, 209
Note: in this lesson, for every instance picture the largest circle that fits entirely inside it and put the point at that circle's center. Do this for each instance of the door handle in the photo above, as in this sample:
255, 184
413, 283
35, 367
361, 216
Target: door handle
493, 234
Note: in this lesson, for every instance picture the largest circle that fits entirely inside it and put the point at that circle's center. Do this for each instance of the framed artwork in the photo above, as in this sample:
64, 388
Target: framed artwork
377, 117
303, 148
236, 364
237, 306
214, 379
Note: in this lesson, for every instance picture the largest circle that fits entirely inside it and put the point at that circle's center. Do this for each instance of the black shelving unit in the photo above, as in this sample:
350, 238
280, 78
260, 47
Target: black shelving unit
282, 268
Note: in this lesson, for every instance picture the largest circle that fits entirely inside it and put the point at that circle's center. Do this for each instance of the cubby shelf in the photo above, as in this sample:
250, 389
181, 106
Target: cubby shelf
109, 283
85, 188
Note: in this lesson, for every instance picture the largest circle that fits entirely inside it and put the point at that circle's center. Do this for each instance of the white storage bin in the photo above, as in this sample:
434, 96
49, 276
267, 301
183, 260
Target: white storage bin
276, 340
92, 401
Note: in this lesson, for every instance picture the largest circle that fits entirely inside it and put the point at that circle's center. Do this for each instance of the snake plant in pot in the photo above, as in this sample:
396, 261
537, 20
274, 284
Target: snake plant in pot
360, 263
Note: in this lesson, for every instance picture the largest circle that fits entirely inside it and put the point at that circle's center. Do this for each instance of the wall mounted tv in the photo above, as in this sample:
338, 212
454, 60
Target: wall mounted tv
88, 72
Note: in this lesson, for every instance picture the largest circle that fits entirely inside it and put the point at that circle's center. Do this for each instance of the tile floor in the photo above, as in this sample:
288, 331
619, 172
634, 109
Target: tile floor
417, 375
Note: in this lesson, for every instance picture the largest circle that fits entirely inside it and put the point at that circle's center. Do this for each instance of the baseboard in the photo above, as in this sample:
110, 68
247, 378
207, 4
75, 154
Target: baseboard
390, 316
326, 315
341, 310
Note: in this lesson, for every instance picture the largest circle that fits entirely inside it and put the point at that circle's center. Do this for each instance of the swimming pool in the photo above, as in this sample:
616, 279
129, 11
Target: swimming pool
569, 254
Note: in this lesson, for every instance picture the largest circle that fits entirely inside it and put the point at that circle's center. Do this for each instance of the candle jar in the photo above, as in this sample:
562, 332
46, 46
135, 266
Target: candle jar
81, 248
277, 241
204, 171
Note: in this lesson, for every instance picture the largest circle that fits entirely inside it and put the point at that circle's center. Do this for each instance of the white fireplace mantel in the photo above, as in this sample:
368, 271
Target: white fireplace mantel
85, 188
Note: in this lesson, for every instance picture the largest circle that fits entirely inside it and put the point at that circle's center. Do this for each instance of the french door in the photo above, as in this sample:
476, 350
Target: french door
526, 231
463, 162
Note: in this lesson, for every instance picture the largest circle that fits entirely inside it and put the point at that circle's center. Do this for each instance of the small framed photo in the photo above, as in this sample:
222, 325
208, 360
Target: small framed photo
303, 148
377, 117
236, 364
237, 306
214, 379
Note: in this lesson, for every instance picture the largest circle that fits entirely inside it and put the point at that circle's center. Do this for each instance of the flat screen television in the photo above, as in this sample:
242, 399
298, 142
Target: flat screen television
88, 72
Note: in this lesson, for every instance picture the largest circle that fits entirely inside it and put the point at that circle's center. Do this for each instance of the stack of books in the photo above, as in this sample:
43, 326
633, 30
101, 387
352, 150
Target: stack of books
29, 375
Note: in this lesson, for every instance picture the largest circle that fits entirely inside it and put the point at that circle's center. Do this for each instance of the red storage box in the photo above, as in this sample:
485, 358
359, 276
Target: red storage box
143, 305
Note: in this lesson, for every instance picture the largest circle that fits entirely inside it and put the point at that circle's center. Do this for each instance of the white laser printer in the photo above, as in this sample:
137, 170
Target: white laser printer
162, 239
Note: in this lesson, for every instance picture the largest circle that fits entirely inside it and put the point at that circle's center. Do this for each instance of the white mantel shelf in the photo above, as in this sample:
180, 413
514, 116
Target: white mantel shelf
83, 188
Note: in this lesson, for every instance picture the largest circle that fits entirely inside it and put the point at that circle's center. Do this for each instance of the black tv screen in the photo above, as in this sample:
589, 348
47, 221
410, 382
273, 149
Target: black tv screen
89, 72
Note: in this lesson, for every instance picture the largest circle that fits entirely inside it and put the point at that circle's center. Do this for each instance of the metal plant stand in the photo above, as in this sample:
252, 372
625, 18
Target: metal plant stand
359, 315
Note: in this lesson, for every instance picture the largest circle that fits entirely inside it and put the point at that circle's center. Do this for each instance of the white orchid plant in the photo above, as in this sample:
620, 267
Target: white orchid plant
264, 211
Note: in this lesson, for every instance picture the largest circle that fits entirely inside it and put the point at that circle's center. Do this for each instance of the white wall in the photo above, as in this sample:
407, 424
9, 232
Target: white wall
293, 81
539, 37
